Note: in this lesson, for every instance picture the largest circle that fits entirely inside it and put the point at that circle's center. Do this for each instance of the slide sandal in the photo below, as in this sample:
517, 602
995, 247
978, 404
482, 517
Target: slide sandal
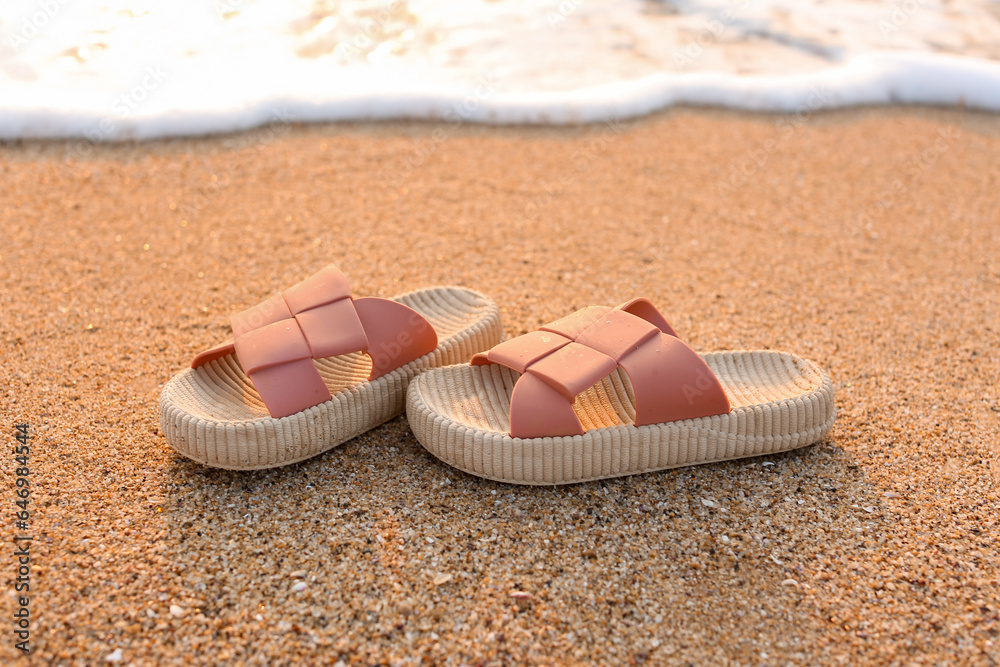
313, 367
608, 392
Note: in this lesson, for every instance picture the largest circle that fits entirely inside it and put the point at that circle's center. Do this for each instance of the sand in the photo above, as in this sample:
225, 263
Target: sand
866, 240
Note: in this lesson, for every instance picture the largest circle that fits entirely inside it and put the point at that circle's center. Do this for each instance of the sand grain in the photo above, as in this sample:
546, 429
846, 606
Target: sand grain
877, 545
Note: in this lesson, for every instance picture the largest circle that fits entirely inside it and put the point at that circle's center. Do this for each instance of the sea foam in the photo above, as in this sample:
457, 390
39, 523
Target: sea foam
114, 72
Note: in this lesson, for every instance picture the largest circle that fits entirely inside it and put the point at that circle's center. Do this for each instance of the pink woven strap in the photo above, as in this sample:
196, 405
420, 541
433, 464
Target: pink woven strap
561, 360
277, 340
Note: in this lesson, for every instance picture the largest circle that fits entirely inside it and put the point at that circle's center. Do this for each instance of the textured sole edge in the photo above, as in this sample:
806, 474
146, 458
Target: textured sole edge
619, 450
266, 442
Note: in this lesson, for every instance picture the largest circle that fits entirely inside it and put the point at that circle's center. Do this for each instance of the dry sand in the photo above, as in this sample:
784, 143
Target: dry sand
877, 545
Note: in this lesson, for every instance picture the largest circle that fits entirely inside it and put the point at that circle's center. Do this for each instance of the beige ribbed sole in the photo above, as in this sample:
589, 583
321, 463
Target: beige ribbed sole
214, 414
461, 415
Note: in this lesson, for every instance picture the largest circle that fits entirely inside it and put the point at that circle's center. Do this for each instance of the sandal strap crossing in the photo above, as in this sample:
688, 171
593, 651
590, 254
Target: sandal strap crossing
561, 360
276, 341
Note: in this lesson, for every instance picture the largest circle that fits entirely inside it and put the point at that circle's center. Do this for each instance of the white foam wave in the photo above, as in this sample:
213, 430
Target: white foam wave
102, 72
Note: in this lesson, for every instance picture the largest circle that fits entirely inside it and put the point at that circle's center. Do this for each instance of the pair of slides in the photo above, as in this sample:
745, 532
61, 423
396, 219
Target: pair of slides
604, 392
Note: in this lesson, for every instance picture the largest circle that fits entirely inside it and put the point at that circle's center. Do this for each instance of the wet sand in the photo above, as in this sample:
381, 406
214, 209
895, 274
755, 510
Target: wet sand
866, 240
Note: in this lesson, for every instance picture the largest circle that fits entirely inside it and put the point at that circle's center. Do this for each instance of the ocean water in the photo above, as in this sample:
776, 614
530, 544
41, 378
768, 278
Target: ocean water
113, 70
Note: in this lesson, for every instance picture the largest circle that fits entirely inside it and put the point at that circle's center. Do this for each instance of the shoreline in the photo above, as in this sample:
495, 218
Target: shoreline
980, 117
872, 78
